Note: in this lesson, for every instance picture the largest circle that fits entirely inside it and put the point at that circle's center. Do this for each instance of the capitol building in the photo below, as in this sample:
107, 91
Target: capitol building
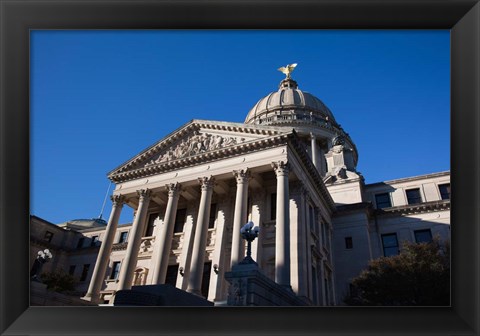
290, 168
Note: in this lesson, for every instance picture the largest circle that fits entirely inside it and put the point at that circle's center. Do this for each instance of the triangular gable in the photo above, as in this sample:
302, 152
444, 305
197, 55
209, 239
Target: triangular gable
195, 139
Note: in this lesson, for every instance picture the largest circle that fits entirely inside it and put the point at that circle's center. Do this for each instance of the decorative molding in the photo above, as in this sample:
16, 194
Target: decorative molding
174, 189
206, 182
144, 194
281, 168
415, 208
196, 144
242, 175
128, 172
117, 199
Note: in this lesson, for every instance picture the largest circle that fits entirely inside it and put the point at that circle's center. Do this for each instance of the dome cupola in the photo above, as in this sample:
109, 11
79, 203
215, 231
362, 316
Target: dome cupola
312, 120
289, 104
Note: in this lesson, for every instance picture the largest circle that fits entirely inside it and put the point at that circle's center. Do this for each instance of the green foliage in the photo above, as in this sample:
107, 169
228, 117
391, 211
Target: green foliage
418, 276
59, 281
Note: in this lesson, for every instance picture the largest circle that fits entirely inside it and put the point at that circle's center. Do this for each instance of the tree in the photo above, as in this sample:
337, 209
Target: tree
418, 276
59, 281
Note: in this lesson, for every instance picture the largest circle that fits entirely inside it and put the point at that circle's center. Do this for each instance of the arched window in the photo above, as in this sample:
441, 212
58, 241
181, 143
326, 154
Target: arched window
140, 276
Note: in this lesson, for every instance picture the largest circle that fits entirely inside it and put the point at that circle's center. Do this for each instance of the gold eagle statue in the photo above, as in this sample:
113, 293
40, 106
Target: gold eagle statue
288, 69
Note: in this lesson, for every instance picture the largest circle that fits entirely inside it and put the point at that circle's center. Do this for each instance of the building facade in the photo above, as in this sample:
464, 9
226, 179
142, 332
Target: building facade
291, 169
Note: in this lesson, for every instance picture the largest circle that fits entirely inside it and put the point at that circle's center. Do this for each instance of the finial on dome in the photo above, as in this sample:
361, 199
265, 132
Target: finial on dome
288, 82
288, 69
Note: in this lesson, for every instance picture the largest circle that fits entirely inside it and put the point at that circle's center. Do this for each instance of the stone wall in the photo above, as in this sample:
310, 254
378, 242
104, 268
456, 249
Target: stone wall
249, 287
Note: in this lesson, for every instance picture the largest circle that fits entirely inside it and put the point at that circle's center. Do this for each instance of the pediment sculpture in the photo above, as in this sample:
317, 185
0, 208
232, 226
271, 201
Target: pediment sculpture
196, 144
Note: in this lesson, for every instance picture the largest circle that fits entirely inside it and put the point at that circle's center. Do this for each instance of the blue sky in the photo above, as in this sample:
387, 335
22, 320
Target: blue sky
100, 97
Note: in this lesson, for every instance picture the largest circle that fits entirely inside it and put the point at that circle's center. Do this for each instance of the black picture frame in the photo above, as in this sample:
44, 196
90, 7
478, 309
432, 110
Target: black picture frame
18, 17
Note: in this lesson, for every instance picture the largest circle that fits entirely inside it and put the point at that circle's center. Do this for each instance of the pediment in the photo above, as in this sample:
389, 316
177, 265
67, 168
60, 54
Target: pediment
191, 142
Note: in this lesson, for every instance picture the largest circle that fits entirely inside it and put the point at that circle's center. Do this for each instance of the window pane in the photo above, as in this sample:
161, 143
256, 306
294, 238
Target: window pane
444, 191
389, 240
383, 200
273, 206
80, 242
48, 236
123, 237
390, 251
213, 216
151, 225
172, 273
413, 196
180, 220
390, 244
423, 236
85, 272
348, 242
115, 270
94, 241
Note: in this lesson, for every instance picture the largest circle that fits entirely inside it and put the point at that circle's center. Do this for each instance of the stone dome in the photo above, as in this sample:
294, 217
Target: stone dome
289, 104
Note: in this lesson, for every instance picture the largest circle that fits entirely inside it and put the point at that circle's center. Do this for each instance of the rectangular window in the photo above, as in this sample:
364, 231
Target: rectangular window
444, 191
423, 236
348, 243
85, 269
48, 236
327, 296
273, 206
123, 237
180, 220
94, 241
213, 216
115, 270
172, 273
324, 235
71, 269
413, 196
383, 200
151, 225
390, 244
312, 218
80, 242
314, 285
207, 268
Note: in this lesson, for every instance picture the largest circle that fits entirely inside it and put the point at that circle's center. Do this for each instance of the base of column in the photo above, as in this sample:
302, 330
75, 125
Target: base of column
91, 299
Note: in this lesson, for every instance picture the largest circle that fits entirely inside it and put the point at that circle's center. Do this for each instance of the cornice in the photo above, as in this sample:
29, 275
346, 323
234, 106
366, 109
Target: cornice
412, 209
317, 180
408, 179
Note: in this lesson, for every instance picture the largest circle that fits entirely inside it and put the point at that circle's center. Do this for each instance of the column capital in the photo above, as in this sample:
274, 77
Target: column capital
117, 199
206, 183
312, 136
173, 189
242, 175
281, 168
143, 194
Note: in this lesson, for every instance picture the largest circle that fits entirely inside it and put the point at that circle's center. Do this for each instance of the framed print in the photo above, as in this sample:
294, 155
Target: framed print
20, 19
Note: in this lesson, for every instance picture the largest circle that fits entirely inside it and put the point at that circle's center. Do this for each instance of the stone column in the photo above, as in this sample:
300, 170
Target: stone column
135, 237
103, 258
165, 238
200, 241
282, 230
240, 216
314, 150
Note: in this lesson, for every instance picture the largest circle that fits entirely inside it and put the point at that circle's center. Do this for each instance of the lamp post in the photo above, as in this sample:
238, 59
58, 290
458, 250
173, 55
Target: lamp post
42, 257
249, 233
